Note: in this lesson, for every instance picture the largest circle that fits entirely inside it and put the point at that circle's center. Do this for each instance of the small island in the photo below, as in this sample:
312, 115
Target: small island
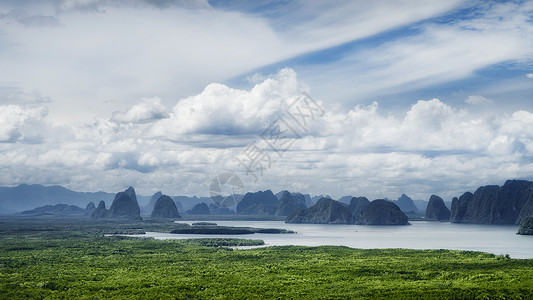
207, 228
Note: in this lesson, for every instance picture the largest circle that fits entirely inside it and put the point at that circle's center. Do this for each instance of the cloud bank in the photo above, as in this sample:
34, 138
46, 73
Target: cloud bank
419, 97
431, 147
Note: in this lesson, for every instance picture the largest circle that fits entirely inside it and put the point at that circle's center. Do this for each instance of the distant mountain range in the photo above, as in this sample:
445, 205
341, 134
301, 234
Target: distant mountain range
492, 204
56, 210
26, 197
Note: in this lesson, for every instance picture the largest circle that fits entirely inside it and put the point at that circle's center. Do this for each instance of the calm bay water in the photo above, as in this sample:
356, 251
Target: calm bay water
497, 239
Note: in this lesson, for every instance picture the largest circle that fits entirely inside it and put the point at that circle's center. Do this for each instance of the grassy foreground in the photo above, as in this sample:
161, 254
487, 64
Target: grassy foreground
69, 261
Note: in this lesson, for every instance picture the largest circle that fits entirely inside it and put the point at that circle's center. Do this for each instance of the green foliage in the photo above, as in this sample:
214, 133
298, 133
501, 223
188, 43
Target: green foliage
204, 224
223, 242
66, 259
214, 229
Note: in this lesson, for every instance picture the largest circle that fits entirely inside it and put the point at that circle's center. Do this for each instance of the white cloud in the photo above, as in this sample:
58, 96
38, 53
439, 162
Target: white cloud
131, 49
149, 109
478, 100
438, 53
318, 25
430, 148
223, 110
129, 52
13, 119
530, 75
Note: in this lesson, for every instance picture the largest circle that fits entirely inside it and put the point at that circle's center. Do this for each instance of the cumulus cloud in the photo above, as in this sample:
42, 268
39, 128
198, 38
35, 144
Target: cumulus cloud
13, 118
530, 75
148, 110
222, 110
431, 147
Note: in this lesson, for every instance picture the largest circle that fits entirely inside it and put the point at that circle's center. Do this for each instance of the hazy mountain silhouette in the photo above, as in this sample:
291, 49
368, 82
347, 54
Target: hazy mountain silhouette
25, 197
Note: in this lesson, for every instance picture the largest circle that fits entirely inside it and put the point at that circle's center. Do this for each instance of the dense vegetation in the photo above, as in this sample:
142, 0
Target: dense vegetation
325, 211
72, 259
215, 229
223, 242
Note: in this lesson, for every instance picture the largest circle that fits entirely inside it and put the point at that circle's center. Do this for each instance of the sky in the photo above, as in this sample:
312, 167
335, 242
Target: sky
361, 98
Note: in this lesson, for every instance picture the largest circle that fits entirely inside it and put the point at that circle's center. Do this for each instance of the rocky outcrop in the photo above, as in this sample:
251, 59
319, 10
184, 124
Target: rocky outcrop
406, 204
200, 209
345, 199
325, 211
258, 203
89, 209
526, 227
513, 205
382, 212
357, 205
288, 203
150, 206
492, 204
165, 207
125, 206
460, 207
100, 212
437, 210
526, 211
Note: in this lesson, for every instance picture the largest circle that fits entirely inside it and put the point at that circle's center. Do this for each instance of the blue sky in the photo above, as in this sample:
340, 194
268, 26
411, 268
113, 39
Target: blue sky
419, 97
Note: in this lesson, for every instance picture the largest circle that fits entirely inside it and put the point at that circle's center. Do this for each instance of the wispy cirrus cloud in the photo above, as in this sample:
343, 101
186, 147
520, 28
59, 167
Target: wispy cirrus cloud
139, 49
432, 53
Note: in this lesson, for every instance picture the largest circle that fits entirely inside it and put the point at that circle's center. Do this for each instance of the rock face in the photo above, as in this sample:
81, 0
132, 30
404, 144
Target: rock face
406, 204
382, 212
492, 204
259, 209
526, 227
259, 203
165, 207
89, 209
325, 211
357, 205
514, 202
125, 206
436, 209
100, 212
150, 206
345, 199
200, 209
289, 202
